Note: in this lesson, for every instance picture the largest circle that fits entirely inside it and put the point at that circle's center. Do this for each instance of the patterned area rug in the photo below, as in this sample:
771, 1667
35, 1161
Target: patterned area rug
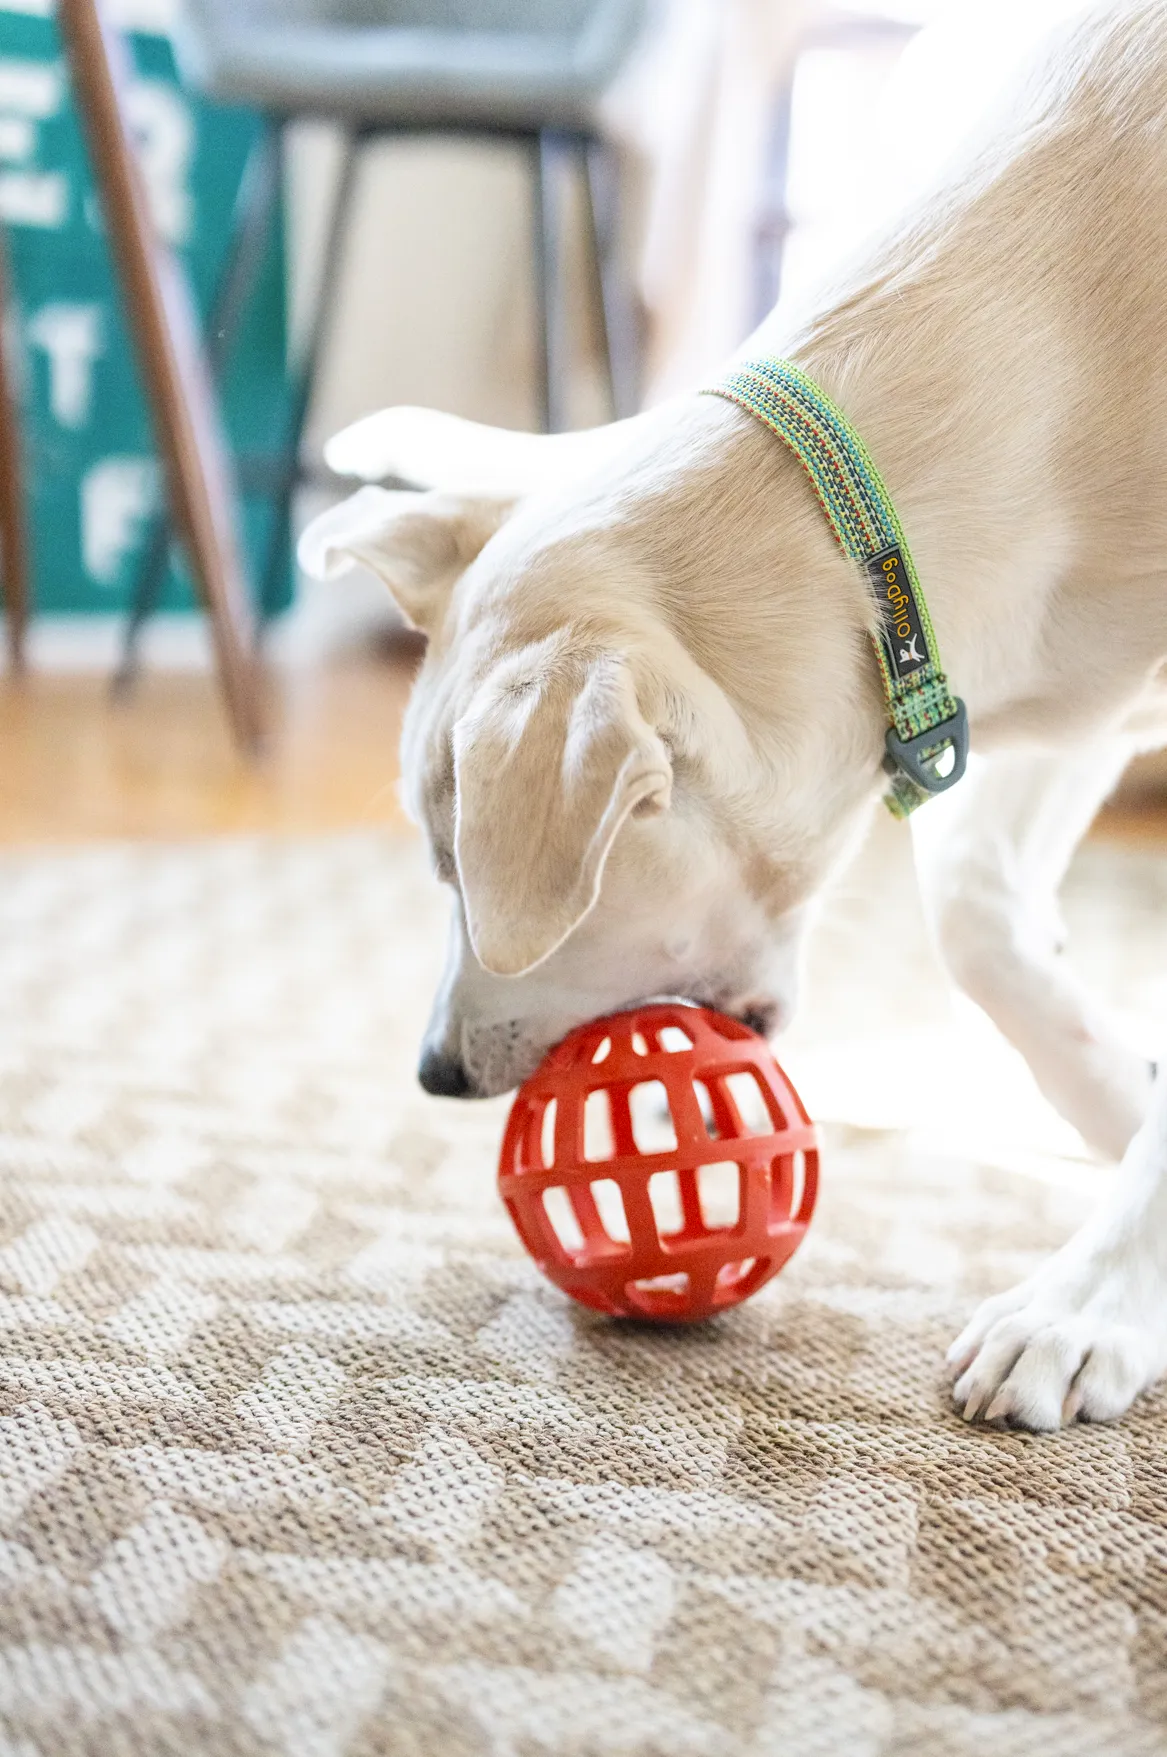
299, 1457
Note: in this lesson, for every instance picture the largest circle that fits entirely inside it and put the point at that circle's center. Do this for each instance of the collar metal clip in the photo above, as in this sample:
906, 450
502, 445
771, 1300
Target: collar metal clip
923, 758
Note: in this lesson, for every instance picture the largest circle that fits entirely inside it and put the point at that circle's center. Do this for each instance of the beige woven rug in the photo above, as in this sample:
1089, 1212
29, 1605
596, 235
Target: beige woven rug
299, 1456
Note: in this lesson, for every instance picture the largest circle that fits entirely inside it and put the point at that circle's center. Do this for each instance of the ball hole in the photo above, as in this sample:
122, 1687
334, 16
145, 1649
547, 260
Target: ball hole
658, 1294
562, 1216
705, 1106
747, 1095
787, 1186
797, 1180
547, 1134
719, 1189
734, 1280
652, 1120
599, 1142
673, 1040
610, 1207
639, 1044
602, 1051
730, 1274
664, 1192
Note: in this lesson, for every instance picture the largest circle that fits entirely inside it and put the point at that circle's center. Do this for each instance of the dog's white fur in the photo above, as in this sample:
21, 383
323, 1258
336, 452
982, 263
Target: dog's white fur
649, 724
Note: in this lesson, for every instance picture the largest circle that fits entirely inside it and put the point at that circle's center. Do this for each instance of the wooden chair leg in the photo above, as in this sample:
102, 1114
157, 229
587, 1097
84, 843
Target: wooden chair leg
162, 321
13, 543
251, 223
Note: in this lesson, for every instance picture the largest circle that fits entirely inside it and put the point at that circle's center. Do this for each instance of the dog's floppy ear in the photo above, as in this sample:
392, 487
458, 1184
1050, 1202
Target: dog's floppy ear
547, 767
444, 451
417, 543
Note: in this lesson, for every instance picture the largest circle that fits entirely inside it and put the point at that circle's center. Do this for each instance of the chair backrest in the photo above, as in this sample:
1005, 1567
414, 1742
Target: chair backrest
557, 18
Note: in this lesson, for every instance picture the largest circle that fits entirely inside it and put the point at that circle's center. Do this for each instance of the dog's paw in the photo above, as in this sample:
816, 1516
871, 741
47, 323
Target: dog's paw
1060, 1347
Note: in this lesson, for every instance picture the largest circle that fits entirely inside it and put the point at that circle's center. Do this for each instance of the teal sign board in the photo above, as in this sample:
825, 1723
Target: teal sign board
91, 470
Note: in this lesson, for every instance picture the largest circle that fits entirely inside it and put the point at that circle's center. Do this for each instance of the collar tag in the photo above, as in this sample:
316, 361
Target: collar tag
904, 641
927, 741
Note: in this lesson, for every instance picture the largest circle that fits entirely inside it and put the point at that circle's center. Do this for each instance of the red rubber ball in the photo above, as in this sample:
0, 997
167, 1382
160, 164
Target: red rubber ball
659, 1164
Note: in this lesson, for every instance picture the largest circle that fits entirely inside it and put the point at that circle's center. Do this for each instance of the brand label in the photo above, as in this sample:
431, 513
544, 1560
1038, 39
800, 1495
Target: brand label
903, 637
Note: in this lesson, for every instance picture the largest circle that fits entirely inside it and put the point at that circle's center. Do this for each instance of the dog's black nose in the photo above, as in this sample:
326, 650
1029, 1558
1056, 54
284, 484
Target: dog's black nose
443, 1075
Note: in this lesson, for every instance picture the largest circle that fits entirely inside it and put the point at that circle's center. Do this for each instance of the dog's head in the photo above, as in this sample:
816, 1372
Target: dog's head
623, 756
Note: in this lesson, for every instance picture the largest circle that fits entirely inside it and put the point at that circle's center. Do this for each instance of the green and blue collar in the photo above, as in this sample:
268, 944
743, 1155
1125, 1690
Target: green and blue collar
927, 741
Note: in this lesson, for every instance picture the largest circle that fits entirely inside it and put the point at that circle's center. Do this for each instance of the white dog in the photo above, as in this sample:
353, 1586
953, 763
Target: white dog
650, 722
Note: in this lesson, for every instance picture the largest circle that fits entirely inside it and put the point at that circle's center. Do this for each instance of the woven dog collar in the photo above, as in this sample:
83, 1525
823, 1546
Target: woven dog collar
927, 721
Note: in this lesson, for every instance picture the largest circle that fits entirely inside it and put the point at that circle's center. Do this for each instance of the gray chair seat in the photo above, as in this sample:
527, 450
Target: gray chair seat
482, 64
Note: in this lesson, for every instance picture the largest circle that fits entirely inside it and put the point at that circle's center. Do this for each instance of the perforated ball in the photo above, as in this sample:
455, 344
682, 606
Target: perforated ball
660, 1164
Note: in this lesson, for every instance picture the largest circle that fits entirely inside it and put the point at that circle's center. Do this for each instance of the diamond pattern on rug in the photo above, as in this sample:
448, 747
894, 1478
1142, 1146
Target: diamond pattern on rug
300, 1457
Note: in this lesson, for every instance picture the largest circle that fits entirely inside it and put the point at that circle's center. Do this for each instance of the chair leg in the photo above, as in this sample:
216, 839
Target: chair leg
304, 385
14, 550
162, 320
615, 301
147, 590
251, 221
773, 224
551, 355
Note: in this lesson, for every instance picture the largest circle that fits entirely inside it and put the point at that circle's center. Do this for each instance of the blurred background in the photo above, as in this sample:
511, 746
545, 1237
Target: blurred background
535, 213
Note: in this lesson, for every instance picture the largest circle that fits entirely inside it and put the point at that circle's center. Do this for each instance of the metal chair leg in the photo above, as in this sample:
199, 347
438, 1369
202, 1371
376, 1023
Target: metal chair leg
616, 309
158, 306
773, 224
147, 591
288, 469
13, 537
255, 204
551, 360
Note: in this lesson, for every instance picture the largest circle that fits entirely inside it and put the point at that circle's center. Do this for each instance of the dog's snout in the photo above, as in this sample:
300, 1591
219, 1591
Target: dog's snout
443, 1075
767, 1018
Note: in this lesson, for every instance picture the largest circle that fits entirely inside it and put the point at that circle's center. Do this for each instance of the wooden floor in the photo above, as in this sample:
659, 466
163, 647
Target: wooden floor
78, 764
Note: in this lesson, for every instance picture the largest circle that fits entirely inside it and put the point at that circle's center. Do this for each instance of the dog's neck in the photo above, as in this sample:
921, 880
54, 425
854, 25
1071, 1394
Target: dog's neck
988, 362
976, 498
982, 520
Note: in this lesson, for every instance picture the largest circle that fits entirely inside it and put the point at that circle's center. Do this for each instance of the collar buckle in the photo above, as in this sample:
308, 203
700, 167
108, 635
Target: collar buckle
918, 758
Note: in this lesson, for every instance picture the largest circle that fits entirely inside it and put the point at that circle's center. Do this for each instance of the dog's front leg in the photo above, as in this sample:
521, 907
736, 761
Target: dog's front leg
990, 856
1088, 1330
1084, 1334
